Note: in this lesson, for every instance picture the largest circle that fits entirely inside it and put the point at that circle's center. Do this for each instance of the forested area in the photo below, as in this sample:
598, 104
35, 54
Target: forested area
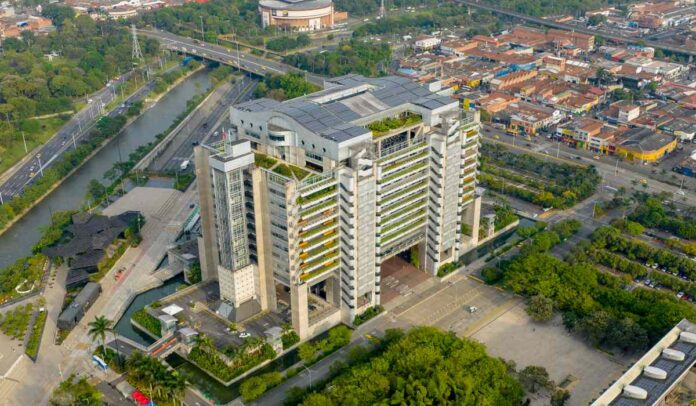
549, 7
594, 304
370, 7
652, 213
353, 56
445, 16
283, 87
42, 75
424, 366
240, 17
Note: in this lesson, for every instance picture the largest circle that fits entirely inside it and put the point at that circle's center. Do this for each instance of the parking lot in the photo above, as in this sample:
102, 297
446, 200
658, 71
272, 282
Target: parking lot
199, 307
583, 370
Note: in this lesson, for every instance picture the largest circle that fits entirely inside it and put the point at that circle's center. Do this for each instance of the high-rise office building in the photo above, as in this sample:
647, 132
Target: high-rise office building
316, 193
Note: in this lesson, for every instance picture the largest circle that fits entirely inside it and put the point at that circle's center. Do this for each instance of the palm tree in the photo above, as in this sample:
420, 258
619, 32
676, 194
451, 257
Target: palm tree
98, 329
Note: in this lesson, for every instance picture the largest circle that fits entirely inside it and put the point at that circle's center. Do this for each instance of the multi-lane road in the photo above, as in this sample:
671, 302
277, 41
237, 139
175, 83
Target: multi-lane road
203, 123
66, 138
240, 60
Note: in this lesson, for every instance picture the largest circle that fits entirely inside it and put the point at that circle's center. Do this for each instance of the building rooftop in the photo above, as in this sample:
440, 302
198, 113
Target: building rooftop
644, 139
294, 4
334, 113
657, 372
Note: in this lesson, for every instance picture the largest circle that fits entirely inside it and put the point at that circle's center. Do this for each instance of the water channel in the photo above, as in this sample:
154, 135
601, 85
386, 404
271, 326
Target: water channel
18, 240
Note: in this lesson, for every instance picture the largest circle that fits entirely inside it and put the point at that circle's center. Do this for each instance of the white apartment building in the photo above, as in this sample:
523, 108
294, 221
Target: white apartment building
339, 182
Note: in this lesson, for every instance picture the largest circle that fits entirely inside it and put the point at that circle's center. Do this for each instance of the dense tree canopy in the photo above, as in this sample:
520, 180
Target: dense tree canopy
369, 59
426, 366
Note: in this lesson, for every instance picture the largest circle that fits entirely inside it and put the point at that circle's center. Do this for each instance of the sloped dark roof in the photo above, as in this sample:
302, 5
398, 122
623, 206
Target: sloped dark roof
88, 259
89, 234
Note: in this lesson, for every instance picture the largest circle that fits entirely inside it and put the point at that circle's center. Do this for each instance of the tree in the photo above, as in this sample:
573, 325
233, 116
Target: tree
98, 329
540, 308
596, 19
307, 351
534, 377
560, 397
485, 116
95, 190
73, 391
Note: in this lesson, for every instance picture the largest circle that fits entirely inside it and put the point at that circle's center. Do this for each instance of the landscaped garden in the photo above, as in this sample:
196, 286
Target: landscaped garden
535, 180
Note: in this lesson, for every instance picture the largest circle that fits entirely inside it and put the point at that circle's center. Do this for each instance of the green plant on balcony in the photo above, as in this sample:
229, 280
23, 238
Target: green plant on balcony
413, 200
390, 227
386, 238
406, 161
403, 151
329, 256
313, 209
403, 172
308, 233
264, 161
383, 126
316, 195
420, 185
402, 211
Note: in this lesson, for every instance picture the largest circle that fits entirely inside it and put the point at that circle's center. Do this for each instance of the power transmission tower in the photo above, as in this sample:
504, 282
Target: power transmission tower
137, 54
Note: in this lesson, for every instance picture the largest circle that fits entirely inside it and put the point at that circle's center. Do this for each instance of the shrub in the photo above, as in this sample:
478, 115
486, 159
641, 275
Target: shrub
491, 275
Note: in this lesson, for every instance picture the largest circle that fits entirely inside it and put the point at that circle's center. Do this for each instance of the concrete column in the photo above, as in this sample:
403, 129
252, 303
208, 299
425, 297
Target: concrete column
333, 291
472, 217
267, 297
207, 248
300, 309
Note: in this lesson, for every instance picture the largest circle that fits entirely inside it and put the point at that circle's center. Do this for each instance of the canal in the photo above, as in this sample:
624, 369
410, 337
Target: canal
124, 326
19, 239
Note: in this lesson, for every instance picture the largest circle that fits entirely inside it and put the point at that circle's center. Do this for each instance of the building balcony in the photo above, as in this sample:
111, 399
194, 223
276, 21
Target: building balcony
398, 153
387, 210
410, 211
387, 199
317, 240
405, 161
402, 173
306, 235
314, 210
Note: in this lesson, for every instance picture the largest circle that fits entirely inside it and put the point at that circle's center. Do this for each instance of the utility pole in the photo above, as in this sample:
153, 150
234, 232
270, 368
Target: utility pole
202, 30
25, 143
137, 54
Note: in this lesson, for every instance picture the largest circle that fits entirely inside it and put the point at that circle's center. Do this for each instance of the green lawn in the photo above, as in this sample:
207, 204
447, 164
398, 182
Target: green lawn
12, 153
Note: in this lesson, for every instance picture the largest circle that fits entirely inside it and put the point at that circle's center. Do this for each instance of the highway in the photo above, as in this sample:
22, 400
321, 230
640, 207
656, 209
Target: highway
568, 27
200, 125
243, 61
67, 137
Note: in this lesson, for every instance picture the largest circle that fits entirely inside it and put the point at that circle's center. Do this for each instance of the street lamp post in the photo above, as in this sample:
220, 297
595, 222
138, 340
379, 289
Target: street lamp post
310, 376
38, 157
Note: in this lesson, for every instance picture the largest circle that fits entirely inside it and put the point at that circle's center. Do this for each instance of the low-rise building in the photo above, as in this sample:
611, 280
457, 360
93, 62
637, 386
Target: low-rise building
645, 145
657, 373
76, 310
426, 42
528, 118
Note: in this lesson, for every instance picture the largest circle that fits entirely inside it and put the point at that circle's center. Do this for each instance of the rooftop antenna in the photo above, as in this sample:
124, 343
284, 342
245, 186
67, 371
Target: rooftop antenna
137, 53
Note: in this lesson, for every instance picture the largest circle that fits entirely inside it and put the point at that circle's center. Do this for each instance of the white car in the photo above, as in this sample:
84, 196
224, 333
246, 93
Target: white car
244, 335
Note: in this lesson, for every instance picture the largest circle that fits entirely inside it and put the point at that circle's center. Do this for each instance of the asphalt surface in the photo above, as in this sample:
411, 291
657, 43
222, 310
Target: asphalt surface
207, 120
240, 60
68, 137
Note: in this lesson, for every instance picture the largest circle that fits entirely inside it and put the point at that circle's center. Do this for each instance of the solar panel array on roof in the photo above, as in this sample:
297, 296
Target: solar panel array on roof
333, 119
656, 388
